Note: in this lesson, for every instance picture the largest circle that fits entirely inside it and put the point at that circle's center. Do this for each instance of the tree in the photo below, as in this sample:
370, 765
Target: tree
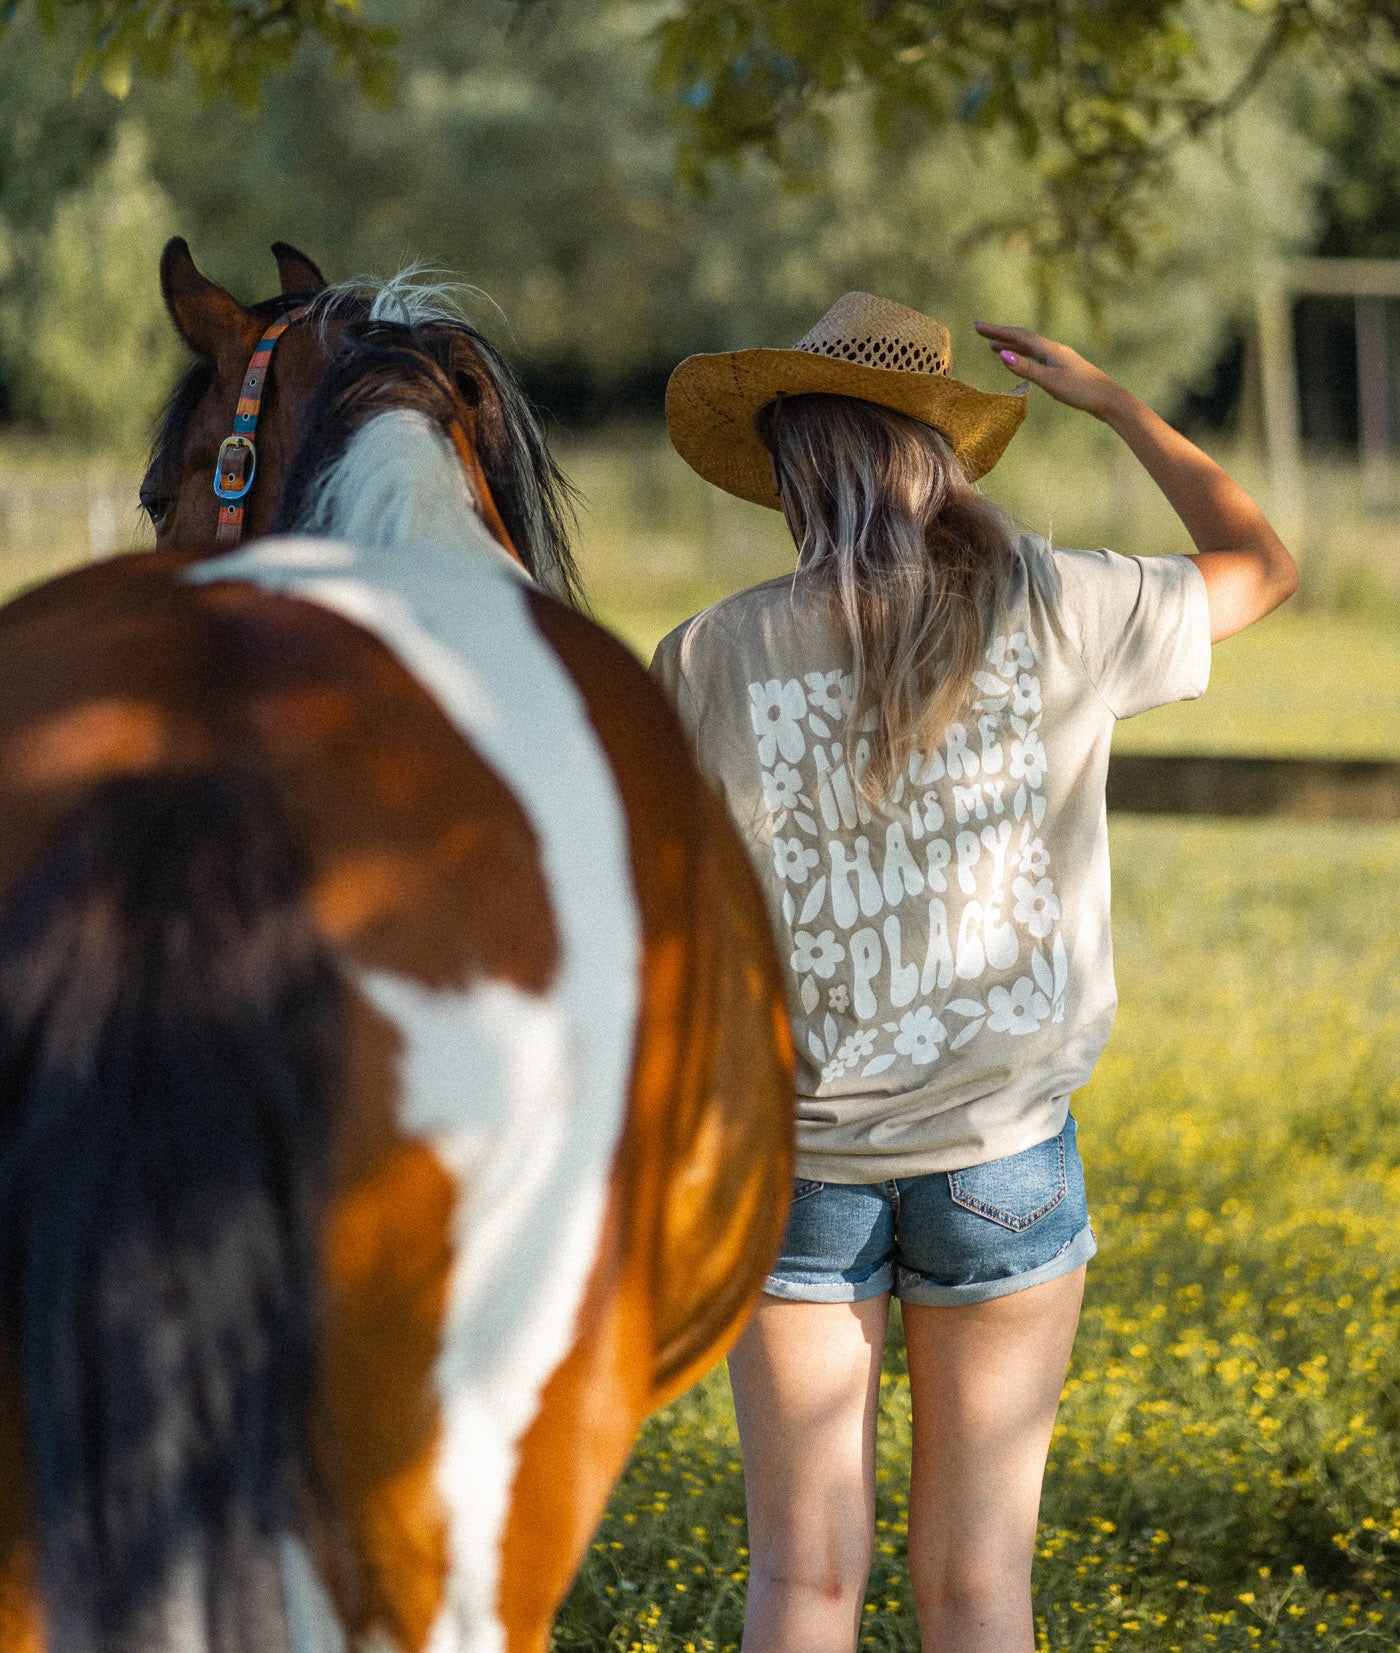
534, 159
1101, 96
83, 331
230, 45
529, 152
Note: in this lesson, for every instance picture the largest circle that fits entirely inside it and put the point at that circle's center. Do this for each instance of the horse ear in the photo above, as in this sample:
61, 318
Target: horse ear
299, 275
211, 321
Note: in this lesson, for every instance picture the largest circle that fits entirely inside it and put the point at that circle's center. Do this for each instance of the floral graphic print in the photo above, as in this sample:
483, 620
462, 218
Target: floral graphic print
913, 932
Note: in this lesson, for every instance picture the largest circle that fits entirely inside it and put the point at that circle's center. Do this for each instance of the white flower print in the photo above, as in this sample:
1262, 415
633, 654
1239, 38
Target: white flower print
1034, 858
855, 1047
920, 1034
1009, 655
1028, 760
793, 859
1020, 1010
976, 801
820, 954
1037, 905
774, 708
781, 788
830, 692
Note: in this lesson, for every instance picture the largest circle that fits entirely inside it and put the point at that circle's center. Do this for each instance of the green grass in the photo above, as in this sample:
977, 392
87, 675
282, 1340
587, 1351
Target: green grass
1301, 682
1226, 1469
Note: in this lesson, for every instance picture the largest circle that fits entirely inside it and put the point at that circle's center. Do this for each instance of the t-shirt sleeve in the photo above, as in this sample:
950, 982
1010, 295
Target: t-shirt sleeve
1142, 625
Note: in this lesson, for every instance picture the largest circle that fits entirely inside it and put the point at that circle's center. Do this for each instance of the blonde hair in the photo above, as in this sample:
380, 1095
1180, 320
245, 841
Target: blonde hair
918, 562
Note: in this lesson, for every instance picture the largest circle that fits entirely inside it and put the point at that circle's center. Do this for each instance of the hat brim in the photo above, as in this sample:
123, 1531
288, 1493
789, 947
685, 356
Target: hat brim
711, 401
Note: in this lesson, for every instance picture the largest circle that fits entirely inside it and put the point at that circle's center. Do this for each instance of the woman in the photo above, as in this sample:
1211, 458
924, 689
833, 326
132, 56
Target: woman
913, 734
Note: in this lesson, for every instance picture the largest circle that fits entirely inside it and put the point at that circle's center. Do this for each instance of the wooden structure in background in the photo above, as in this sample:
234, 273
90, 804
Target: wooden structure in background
1369, 283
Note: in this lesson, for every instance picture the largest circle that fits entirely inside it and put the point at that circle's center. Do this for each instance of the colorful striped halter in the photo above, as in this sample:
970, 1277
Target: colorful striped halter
237, 463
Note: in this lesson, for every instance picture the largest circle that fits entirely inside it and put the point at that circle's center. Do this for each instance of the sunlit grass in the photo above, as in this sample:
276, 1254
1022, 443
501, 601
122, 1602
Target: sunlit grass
1226, 1469
1300, 682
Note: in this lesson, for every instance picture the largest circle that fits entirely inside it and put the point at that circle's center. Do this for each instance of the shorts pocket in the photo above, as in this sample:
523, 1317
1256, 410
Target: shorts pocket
1016, 1191
802, 1187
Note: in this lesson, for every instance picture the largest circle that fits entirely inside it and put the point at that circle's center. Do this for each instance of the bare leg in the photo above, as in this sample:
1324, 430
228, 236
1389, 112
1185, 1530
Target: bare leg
806, 1379
985, 1382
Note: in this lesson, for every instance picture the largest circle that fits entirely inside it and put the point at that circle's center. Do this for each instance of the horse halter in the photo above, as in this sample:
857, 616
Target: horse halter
237, 463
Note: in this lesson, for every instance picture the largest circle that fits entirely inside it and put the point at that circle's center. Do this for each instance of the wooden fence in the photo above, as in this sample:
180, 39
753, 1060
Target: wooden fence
1316, 789
49, 523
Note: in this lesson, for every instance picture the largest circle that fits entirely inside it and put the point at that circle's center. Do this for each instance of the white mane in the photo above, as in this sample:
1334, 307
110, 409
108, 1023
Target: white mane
417, 296
399, 485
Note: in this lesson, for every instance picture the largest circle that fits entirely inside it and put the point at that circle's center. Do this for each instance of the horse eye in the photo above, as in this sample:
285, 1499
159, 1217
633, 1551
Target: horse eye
155, 505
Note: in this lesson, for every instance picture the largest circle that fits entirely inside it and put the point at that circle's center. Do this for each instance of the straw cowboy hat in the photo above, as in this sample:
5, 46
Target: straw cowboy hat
865, 347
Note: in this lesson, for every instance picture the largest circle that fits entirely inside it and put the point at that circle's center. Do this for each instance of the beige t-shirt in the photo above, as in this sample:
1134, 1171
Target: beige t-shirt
950, 967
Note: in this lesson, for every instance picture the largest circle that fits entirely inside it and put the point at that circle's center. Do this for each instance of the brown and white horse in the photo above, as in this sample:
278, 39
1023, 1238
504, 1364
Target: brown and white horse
394, 1072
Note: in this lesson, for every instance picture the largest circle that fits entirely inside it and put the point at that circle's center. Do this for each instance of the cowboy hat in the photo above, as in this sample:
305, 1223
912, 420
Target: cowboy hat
865, 347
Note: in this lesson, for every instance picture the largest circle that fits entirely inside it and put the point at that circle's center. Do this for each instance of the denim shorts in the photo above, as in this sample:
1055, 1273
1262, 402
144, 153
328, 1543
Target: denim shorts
951, 1237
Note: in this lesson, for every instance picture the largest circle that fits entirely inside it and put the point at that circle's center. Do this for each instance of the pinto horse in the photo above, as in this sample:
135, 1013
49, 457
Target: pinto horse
394, 1071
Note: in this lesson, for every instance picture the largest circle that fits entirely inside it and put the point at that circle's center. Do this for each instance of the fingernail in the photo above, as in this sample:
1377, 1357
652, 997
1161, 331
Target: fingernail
1009, 357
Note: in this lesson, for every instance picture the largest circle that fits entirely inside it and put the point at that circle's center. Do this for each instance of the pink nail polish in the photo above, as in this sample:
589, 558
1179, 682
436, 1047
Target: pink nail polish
1008, 356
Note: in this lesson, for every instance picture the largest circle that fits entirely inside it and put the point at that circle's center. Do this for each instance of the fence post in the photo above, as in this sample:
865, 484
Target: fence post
1278, 383
102, 526
1373, 384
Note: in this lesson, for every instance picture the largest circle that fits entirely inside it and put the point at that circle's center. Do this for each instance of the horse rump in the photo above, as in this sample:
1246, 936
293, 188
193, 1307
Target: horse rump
170, 1039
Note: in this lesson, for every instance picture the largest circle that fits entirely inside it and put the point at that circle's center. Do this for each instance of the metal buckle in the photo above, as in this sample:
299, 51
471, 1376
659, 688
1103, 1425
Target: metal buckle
233, 488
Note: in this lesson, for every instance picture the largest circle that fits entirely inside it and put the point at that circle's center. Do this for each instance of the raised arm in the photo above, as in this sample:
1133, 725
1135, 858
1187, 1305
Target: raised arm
1247, 568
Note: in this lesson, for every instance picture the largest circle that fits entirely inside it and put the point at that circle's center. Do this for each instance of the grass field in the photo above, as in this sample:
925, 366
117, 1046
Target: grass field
1226, 1469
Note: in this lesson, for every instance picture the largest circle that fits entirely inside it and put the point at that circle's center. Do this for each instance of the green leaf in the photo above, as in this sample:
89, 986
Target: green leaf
83, 68
114, 71
379, 80
245, 87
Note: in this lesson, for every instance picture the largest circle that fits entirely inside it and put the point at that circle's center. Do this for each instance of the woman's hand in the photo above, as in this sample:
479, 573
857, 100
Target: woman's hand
1058, 370
1245, 565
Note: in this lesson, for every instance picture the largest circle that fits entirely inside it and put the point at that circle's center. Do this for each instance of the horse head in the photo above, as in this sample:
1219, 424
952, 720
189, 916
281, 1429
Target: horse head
349, 354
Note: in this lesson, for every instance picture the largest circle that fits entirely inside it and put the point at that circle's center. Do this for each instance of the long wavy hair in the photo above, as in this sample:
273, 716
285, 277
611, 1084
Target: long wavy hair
917, 561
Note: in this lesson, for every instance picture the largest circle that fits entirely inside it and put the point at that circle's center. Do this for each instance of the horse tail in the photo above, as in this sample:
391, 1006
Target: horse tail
170, 1035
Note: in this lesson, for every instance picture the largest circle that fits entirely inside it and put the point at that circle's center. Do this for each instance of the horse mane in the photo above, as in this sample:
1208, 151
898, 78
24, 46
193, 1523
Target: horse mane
412, 298
398, 484
405, 343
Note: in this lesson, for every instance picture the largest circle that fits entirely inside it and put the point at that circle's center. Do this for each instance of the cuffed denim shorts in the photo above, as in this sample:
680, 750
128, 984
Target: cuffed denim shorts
952, 1237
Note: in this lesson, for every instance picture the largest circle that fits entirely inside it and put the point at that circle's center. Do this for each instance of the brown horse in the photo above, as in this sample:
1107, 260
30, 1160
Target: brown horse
394, 1071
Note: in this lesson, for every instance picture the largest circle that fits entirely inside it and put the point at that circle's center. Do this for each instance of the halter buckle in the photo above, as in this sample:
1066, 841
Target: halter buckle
235, 467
